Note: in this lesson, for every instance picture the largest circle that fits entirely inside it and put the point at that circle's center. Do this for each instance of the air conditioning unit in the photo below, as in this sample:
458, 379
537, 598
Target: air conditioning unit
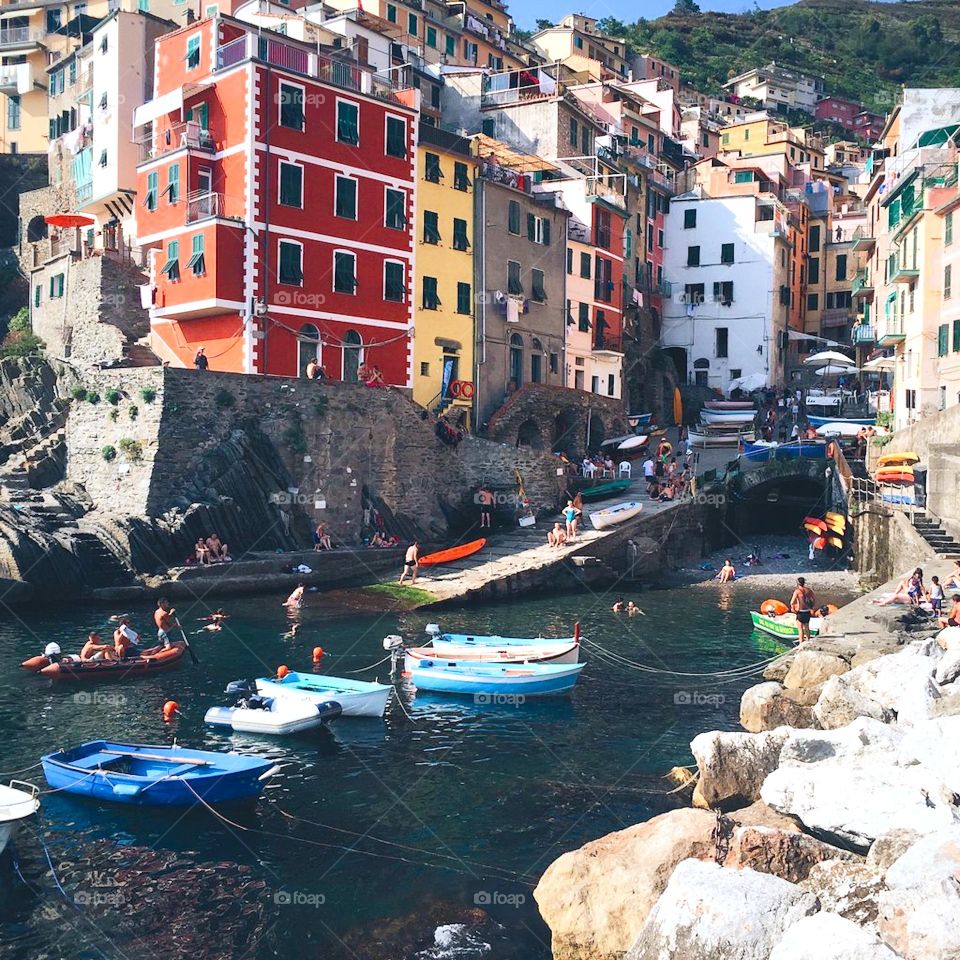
260, 308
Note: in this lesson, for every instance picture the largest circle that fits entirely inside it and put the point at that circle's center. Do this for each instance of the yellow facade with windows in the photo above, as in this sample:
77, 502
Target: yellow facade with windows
443, 290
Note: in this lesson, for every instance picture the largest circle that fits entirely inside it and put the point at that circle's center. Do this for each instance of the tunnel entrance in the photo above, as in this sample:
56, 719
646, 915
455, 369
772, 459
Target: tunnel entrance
777, 506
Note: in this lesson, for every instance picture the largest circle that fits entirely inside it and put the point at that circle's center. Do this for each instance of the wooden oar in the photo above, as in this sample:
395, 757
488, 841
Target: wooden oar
186, 642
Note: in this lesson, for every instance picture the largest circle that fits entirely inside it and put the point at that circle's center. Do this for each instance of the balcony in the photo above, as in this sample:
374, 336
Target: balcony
84, 192
862, 285
16, 78
891, 333
835, 317
606, 344
863, 239
20, 38
203, 206
597, 187
864, 333
899, 272
175, 136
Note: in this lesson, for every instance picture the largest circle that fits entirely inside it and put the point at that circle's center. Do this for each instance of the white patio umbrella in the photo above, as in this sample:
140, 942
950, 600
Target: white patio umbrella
753, 381
831, 358
831, 370
880, 363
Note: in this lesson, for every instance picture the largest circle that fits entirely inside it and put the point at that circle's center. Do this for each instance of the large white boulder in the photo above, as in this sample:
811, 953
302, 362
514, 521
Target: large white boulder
922, 923
931, 858
734, 765
709, 912
810, 668
948, 668
936, 745
827, 936
848, 888
841, 703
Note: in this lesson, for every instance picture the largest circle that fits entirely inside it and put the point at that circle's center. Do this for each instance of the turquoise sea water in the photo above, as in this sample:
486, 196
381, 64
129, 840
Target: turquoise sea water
419, 836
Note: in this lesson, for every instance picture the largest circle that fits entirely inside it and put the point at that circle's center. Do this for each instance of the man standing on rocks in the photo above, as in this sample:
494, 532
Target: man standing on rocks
802, 603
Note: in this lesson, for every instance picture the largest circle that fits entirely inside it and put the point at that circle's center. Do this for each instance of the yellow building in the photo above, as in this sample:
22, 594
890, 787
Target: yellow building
443, 339
760, 135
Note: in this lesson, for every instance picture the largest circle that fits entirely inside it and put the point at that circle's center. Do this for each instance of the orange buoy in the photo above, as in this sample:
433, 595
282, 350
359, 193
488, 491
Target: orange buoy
171, 709
773, 608
282, 671
317, 654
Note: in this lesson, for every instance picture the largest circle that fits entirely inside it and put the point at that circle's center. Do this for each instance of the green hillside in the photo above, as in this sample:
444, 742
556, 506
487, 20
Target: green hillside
863, 50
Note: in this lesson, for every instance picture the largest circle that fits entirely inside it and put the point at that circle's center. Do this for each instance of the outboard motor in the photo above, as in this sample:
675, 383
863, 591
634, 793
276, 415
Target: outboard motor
242, 688
394, 646
433, 630
255, 702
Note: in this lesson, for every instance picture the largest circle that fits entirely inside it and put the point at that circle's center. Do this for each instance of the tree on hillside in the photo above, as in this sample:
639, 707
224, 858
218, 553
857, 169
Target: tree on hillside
686, 7
612, 26
544, 24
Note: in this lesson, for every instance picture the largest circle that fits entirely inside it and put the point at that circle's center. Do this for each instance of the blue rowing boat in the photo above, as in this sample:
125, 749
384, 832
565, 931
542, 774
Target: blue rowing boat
763, 451
823, 421
493, 680
155, 776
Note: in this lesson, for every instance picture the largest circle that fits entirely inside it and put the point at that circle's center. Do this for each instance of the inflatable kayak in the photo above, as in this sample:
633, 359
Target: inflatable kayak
453, 553
897, 460
773, 608
77, 669
895, 476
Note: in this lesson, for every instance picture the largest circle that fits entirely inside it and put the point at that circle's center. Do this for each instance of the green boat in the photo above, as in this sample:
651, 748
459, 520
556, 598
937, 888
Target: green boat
604, 490
783, 627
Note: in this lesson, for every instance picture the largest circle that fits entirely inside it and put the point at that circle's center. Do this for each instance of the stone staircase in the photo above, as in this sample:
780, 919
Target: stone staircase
101, 568
942, 543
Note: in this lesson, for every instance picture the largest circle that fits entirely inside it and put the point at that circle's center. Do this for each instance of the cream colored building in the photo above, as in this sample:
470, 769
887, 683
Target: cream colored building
576, 38
777, 88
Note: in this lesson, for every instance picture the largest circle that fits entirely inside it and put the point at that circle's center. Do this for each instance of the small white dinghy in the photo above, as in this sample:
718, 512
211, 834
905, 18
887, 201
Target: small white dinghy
615, 515
18, 801
277, 716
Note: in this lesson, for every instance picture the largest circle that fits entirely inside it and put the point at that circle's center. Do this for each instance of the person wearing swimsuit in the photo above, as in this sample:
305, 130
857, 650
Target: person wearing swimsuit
802, 603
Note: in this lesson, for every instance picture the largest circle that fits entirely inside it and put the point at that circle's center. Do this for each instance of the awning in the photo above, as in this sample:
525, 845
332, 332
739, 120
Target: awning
158, 107
82, 23
447, 344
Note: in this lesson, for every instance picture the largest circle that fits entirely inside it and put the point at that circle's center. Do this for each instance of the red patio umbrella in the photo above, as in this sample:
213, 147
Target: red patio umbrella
70, 220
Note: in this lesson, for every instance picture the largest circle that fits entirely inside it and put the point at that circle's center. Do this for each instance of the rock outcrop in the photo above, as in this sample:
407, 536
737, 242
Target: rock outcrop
827, 936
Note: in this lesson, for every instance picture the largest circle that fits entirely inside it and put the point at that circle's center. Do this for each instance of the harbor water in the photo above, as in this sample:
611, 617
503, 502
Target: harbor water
419, 837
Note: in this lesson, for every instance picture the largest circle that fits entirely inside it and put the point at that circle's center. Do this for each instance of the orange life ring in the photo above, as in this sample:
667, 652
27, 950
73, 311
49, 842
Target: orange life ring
454, 388
466, 389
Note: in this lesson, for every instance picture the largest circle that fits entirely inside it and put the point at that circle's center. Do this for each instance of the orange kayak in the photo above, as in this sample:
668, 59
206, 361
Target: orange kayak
453, 553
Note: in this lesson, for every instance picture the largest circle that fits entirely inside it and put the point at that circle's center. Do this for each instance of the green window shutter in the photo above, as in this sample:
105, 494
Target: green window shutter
451, 47
893, 213
432, 37
291, 184
743, 176
432, 169
396, 137
344, 275
193, 52
153, 185
942, 340
531, 226
726, 253
431, 227
956, 336
513, 217
290, 267
393, 281
583, 319
396, 204
173, 183
36, 295
545, 232
460, 240
291, 107
346, 198
431, 298
463, 298
348, 123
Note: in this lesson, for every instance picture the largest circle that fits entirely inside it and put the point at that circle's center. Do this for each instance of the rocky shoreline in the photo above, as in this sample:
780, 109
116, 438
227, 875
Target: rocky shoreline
829, 830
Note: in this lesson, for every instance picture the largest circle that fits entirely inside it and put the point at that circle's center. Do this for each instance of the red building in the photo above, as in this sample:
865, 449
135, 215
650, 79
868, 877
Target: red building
276, 193
851, 116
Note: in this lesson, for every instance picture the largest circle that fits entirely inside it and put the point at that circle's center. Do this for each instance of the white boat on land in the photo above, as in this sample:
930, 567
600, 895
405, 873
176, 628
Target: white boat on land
548, 652
559, 650
632, 443
18, 802
615, 515
844, 428
731, 439
728, 416
729, 404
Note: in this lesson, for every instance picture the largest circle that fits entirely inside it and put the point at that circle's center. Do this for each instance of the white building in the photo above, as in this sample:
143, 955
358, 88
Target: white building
728, 262
778, 89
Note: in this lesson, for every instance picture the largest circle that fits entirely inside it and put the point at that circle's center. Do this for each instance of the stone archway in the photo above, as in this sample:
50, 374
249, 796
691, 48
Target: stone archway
36, 229
565, 430
530, 435
596, 431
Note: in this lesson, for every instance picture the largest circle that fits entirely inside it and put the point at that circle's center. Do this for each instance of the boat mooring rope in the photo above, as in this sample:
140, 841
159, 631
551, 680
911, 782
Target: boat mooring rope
13, 773
371, 666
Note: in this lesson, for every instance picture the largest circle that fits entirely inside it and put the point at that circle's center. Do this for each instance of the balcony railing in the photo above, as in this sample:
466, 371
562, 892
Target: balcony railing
176, 136
597, 187
835, 316
899, 272
864, 333
84, 192
202, 206
863, 239
862, 286
20, 36
16, 78
890, 332
607, 343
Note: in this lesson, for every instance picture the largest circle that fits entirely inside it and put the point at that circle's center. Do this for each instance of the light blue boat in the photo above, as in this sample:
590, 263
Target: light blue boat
357, 698
823, 421
472, 646
494, 680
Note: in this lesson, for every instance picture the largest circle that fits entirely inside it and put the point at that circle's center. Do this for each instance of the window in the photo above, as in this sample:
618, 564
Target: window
725, 140
956, 336
569, 260
726, 253
513, 217
13, 113
464, 299
461, 178
424, 369
432, 37
814, 239
348, 123
396, 137
574, 132
585, 141
813, 301
432, 171
947, 281
603, 280
150, 200
721, 342
392, 12
538, 230
595, 384
291, 106
743, 176
948, 229
396, 209
394, 281
173, 183
611, 384
431, 227
104, 46
583, 318
344, 272
813, 270
37, 293
585, 266
196, 262
460, 240
200, 112
290, 263
172, 266
723, 292
943, 340
412, 24
104, 98
693, 293
514, 285
841, 273
54, 21
431, 299
291, 184
693, 256
345, 198
193, 52
56, 286
651, 142
103, 162
660, 239
451, 47
538, 293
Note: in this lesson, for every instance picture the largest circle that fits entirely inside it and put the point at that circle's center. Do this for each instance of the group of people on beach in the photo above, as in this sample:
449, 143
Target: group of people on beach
210, 550
913, 591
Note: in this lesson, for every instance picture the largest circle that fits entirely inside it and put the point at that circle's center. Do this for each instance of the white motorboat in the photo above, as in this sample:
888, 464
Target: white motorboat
615, 515
844, 428
18, 802
489, 647
277, 716
728, 416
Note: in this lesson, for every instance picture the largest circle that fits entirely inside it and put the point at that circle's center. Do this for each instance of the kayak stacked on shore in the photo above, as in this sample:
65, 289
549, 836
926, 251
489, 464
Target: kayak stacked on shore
827, 532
